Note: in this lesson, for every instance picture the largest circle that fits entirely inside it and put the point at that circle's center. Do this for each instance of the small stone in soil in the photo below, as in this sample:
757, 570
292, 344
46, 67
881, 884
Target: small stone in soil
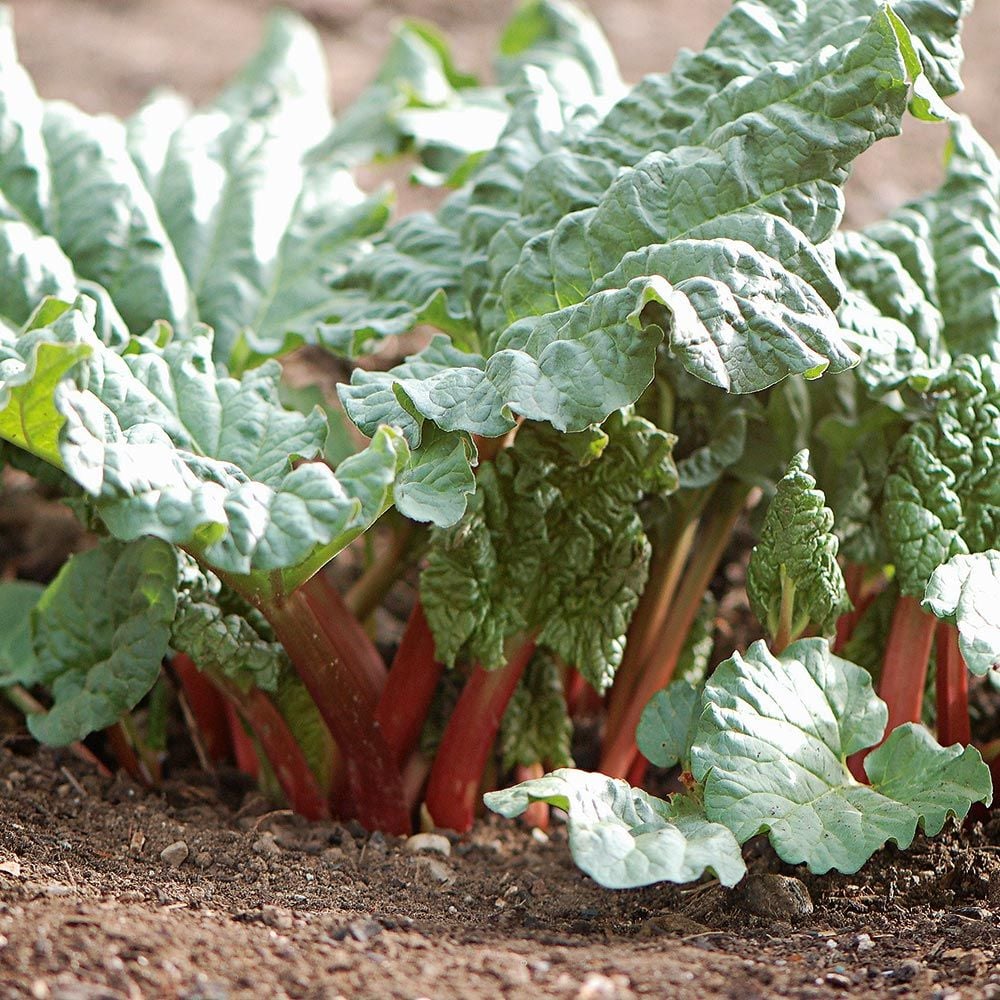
906, 971
434, 843
778, 897
266, 845
864, 942
175, 854
436, 871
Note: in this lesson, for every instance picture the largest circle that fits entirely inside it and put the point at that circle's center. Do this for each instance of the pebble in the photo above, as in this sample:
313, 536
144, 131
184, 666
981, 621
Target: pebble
433, 843
274, 916
175, 854
598, 987
364, 930
907, 971
266, 845
778, 897
436, 871
837, 980
864, 942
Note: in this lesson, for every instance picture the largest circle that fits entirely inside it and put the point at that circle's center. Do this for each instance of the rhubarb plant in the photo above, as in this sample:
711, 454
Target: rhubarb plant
765, 746
635, 294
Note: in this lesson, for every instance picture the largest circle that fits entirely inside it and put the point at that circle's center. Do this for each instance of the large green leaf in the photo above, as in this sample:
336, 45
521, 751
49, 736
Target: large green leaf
718, 243
166, 447
771, 749
966, 589
101, 630
622, 837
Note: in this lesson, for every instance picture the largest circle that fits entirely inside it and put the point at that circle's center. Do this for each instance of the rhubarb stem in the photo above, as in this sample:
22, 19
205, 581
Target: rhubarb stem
336, 670
461, 759
366, 593
207, 708
783, 633
904, 668
409, 690
952, 689
658, 668
282, 751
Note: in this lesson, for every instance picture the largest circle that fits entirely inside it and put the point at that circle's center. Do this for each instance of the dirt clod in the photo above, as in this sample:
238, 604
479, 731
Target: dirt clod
775, 897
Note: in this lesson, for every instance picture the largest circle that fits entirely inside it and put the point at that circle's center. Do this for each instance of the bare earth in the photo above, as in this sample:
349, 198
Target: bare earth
263, 906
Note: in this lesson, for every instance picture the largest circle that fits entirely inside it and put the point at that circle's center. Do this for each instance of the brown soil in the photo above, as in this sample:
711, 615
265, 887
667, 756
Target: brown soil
266, 906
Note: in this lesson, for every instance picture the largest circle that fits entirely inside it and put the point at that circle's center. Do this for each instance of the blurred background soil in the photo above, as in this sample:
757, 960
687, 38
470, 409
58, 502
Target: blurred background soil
107, 55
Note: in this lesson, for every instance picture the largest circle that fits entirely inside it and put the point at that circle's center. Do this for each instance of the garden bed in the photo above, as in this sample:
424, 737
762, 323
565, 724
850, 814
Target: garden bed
265, 904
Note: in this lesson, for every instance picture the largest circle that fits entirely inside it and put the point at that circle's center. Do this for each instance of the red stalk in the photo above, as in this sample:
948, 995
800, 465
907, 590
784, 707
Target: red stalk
125, 754
649, 621
345, 633
453, 788
334, 660
282, 750
409, 690
637, 772
244, 752
904, 670
658, 669
862, 593
952, 689
207, 706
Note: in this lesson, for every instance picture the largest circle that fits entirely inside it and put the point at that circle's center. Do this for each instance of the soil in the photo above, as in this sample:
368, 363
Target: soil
203, 892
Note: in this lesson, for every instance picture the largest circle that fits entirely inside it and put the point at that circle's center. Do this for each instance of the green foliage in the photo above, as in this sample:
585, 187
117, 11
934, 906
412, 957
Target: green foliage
552, 544
966, 589
535, 727
622, 837
793, 577
98, 648
768, 740
942, 494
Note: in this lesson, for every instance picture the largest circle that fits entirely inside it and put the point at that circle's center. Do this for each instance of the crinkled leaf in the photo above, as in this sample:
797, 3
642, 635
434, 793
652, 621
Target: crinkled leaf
223, 642
793, 577
101, 630
17, 655
552, 543
718, 244
536, 727
966, 589
942, 494
167, 447
771, 749
667, 726
622, 837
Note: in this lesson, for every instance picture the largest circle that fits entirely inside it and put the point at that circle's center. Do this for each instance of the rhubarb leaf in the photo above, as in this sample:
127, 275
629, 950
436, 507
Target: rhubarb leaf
622, 837
668, 723
99, 648
737, 276
942, 494
552, 543
536, 727
221, 641
966, 590
772, 746
165, 446
793, 577
17, 655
